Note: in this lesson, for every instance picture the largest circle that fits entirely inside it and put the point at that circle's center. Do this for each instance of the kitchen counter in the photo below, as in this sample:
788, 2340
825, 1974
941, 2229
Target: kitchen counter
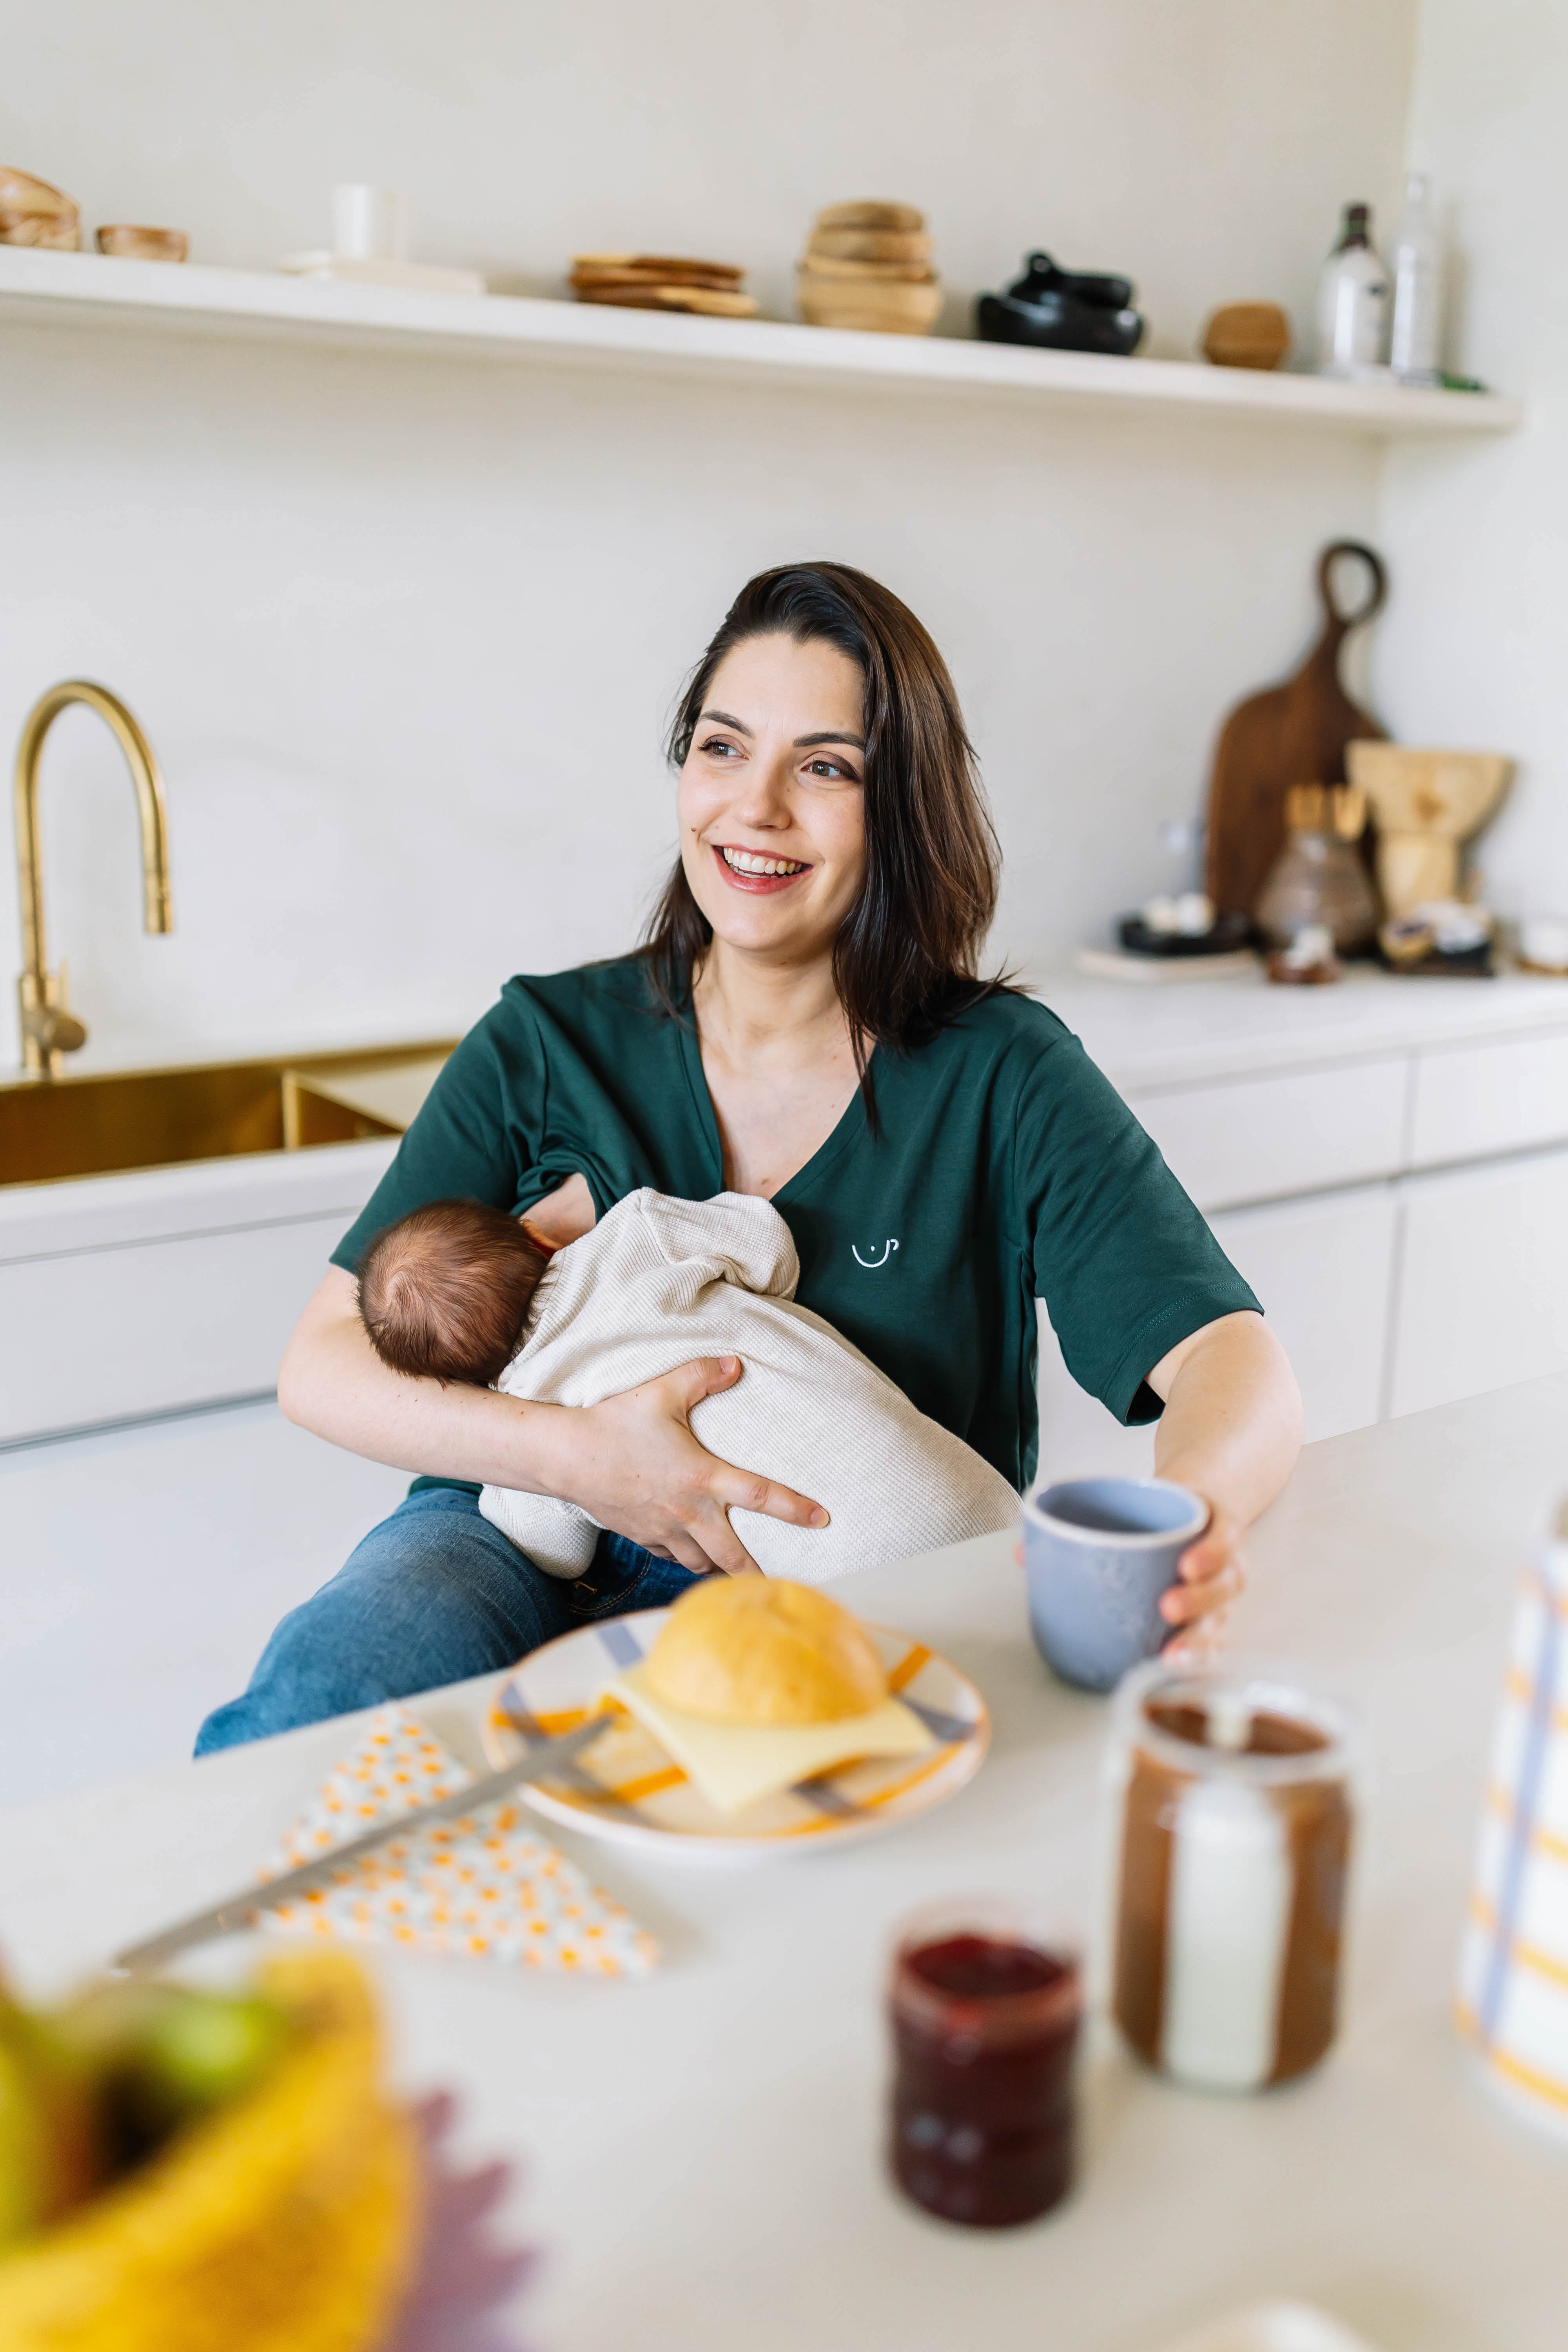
1146, 1034
701, 2155
1323, 1118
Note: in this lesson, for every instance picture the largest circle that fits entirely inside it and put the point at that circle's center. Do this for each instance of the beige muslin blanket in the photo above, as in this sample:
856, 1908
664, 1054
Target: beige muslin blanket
659, 1281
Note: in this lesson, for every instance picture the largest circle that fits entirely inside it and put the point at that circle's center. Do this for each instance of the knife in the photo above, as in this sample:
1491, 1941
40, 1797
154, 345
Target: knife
240, 1910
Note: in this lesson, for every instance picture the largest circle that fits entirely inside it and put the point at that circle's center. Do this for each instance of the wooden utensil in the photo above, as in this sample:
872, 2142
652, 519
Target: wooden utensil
1295, 733
1427, 804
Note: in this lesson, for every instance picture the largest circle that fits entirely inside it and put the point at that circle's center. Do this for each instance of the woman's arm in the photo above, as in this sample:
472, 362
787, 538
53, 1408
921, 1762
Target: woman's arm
631, 1462
1231, 1431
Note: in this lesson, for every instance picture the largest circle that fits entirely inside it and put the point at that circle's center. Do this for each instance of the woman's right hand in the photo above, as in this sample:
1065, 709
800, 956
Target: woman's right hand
633, 1464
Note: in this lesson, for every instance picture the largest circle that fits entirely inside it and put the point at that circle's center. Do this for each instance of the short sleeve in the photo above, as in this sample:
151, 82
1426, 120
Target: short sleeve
477, 1134
1125, 1264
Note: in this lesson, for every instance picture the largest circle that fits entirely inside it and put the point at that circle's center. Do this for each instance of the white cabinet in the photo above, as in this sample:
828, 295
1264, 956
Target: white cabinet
1322, 1270
1396, 1192
107, 1335
123, 1295
1261, 1138
1483, 1281
1471, 1102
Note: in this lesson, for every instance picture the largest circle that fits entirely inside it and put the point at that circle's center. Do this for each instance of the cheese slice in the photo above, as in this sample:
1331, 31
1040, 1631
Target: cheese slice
736, 1765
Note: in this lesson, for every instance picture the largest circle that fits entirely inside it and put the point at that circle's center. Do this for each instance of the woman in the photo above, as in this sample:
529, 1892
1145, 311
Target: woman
805, 1023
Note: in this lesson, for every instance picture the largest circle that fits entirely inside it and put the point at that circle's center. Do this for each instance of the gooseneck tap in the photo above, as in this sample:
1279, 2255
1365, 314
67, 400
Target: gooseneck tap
48, 1029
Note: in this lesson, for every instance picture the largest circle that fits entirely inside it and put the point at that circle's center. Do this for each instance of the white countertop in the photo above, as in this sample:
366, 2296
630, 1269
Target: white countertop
701, 2155
1151, 1033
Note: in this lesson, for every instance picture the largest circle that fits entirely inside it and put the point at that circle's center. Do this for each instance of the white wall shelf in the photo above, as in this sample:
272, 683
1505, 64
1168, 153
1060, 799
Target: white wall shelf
91, 290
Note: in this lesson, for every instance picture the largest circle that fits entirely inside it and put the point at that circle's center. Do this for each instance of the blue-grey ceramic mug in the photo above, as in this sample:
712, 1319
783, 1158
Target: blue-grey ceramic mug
1098, 1554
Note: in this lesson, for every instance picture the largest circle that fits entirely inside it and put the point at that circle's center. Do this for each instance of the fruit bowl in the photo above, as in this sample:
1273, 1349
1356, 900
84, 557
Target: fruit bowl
286, 2221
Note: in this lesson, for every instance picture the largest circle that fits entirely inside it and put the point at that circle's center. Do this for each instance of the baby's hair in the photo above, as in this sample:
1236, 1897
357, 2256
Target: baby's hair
445, 1292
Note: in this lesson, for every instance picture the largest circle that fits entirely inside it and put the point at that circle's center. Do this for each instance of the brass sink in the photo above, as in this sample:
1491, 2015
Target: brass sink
82, 1125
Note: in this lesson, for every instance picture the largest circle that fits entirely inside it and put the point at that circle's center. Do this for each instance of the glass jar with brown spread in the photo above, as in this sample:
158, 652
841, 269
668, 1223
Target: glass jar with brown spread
1235, 1804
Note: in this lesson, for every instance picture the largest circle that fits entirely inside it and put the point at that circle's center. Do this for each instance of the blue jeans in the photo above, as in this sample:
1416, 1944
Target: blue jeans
432, 1595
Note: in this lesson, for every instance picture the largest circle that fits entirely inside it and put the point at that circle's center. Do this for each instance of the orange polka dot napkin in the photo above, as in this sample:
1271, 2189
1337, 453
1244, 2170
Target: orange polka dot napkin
491, 1886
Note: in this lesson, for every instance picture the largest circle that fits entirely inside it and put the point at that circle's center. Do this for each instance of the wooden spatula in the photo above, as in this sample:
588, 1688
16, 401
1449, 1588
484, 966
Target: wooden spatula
1292, 734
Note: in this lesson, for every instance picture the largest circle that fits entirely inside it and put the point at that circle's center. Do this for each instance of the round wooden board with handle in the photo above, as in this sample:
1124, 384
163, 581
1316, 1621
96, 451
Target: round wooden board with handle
1290, 734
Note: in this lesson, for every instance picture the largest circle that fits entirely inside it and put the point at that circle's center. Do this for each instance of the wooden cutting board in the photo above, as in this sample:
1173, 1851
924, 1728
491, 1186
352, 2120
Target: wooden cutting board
1292, 734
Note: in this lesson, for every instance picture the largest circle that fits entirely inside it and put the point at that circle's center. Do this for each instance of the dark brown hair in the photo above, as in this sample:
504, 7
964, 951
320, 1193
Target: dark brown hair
904, 961
444, 1294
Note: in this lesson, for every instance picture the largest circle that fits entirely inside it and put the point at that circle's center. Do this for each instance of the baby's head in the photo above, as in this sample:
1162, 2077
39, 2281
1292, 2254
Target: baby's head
445, 1292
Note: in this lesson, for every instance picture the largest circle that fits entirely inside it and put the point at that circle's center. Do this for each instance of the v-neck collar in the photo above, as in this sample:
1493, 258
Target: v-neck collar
850, 1128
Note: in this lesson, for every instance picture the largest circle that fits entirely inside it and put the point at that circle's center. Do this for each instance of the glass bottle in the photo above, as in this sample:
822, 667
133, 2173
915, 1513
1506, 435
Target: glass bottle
1235, 1799
1353, 301
1318, 877
985, 2009
1416, 335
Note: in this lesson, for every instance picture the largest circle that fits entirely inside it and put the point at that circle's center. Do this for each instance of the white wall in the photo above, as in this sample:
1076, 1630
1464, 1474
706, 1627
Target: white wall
403, 631
1475, 649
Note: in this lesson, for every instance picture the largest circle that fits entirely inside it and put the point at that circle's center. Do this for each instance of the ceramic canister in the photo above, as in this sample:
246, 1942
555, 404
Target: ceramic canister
1512, 2002
1233, 1810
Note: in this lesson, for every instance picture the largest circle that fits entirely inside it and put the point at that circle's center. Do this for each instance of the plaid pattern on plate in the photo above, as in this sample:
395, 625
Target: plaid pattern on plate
627, 1789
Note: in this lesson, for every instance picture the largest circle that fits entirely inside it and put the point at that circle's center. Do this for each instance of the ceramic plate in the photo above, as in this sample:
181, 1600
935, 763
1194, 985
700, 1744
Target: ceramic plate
627, 1789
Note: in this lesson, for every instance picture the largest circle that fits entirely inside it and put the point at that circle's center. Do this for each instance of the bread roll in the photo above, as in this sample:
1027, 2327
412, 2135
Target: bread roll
758, 1650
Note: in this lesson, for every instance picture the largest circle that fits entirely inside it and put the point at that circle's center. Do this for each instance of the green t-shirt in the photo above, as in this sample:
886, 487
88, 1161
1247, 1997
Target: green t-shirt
1007, 1170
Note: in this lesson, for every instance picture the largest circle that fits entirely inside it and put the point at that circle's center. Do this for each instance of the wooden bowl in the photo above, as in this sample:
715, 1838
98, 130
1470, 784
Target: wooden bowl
876, 306
34, 213
910, 273
290, 2217
1247, 335
129, 243
870, 244
870, 216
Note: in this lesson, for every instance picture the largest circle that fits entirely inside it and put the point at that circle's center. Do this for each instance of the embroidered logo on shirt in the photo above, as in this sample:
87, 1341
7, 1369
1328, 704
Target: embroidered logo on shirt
888, 1249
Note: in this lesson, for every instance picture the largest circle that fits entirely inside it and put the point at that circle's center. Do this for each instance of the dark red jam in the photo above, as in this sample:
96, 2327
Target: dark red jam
985, 2030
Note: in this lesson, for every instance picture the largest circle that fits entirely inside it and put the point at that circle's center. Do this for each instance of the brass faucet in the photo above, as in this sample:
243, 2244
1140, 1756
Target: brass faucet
48, 1029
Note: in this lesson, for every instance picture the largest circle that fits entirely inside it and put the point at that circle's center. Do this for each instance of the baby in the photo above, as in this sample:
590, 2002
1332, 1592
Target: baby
459, 1292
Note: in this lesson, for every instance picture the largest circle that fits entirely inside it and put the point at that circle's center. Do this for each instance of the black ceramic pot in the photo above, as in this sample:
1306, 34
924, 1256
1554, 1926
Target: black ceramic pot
1062, 310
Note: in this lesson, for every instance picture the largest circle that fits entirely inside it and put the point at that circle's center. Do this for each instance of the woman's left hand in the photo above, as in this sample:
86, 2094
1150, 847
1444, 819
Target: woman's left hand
1211, 1576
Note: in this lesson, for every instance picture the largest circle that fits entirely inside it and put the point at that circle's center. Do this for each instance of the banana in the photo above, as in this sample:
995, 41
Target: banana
284, 2222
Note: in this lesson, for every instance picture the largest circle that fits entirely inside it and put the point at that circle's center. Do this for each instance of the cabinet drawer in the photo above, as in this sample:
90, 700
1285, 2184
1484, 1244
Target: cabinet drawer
1483, 1291
1323, 1272
104, 1334
1477, 1100
1263, 1138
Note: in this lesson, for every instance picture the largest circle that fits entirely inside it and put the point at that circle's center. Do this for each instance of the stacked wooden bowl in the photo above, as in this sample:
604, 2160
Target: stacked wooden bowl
868, 266
654, 281
34, 213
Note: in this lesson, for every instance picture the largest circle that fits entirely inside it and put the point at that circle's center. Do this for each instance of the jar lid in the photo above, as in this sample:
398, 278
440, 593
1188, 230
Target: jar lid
1261, 1724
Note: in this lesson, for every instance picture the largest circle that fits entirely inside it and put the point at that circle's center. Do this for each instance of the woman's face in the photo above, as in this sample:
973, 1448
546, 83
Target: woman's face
771, 801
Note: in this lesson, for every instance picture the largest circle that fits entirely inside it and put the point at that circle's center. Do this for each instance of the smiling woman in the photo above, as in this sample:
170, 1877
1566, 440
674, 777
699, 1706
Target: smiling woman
806, 1023
892, 829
